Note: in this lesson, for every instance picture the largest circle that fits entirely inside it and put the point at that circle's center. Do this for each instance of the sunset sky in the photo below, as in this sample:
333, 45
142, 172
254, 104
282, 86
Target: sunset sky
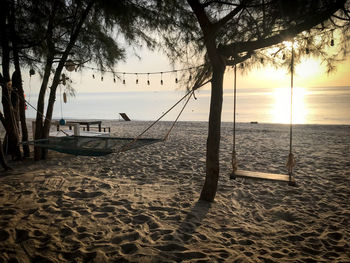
263, 94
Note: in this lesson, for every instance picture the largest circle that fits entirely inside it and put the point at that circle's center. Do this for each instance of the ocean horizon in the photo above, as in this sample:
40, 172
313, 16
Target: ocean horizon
318, 105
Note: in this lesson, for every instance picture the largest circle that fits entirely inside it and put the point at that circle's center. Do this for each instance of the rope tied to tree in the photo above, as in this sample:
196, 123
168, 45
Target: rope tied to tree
188, 95
290, 163
234, 155
291, 159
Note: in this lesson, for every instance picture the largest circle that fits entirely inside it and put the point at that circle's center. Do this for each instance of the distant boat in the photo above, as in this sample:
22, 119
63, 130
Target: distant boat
253, 122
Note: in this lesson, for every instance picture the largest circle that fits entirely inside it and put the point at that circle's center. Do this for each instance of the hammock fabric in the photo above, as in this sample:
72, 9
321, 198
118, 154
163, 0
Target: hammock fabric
91, 145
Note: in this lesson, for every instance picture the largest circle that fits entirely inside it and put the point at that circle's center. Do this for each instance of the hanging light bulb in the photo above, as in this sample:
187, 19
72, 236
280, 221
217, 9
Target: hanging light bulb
137, 79
63, 78
101, 78
114, 80
93, 76
31, 72
70, 65
123, 78
161, 78
148, 82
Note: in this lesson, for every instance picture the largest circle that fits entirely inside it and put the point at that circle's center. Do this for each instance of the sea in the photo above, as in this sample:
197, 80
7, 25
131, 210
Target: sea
318, 105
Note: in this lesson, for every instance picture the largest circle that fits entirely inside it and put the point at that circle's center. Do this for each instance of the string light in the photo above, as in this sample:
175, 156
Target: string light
176, 80
93, 76
161, 78
143, 73
148, 82
114, 80
137, 79
101, 78
124, 78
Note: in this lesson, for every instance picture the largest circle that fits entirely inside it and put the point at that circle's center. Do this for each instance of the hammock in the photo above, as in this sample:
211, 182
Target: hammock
100, 145
91, 145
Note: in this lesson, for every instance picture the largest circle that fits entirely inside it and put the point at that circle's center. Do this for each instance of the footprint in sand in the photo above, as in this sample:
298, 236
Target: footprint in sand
4, 235
129, 248
21, 235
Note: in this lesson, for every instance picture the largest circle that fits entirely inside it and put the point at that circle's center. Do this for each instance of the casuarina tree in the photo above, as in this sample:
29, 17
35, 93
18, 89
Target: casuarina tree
222, 34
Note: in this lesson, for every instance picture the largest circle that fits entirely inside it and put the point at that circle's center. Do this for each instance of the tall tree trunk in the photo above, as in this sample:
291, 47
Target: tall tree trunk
218, 65
40, 106
10, 120
2, 156
39, 123
17, 82
57, 76
213, 140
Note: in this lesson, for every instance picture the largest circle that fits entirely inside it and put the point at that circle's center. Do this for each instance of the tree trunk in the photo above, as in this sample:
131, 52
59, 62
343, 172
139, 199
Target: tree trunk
57, 76
213, 140
10, 120
40, 106
17, 82
218, 65
2, 156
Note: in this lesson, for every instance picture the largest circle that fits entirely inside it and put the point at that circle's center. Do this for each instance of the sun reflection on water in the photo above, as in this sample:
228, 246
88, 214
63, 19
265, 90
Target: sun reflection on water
281, 106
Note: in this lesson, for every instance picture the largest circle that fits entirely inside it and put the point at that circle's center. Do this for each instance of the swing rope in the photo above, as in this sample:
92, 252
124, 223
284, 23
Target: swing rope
234, 155
190, 92
178, 116
61, 101
291, 160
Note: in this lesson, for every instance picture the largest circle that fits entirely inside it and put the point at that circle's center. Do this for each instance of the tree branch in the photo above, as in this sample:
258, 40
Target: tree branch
238, 59
249, 46
230, 15
218, 2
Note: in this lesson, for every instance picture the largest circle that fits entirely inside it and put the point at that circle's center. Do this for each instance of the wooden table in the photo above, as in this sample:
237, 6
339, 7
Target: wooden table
86, 123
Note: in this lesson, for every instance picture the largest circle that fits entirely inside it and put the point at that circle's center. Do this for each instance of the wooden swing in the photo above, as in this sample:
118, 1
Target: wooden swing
289, 177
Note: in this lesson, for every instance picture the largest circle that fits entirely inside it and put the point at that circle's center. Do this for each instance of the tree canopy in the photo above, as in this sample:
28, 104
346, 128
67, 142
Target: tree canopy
221, 34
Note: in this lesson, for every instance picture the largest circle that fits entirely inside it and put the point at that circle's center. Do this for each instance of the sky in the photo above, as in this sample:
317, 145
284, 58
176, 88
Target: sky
263, 94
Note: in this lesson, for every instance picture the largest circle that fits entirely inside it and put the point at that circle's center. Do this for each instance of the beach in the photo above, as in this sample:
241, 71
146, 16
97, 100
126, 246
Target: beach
142, 205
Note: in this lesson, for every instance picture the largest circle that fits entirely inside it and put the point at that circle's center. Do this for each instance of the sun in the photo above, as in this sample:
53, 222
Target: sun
281, 107
308, 69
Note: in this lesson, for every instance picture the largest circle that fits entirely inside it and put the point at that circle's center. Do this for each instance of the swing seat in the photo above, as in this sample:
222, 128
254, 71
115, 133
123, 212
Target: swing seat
261, 175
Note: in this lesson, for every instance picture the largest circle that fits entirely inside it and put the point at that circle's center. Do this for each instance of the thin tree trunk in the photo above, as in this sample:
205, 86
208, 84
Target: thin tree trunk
19, 86
40, 106
2, 156
57, 76
10, 120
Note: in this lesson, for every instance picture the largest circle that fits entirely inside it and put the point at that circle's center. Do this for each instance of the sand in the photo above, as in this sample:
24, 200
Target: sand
142, 205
